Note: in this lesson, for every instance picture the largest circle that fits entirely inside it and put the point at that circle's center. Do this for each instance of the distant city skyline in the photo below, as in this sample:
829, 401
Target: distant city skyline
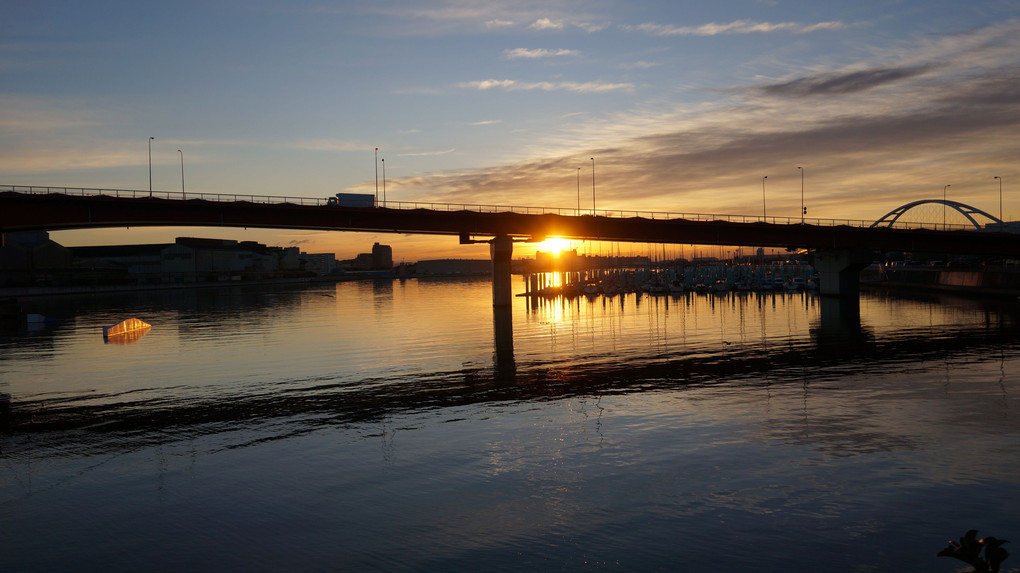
684, 106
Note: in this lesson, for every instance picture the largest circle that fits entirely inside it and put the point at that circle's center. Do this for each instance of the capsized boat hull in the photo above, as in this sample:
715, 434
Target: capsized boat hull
125, 327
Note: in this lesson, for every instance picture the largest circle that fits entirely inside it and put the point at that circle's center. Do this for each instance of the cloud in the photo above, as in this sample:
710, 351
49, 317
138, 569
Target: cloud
576, 87
546, 24
488, 122
526, 53
642, 65
878, 134
736, 27
488, 84
844, 82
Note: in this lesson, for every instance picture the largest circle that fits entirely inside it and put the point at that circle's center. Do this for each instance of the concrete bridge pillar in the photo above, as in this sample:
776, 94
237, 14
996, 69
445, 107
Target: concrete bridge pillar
501, 249
839, 270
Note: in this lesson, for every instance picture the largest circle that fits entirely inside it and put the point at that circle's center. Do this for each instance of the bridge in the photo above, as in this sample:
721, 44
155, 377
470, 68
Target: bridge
841, 248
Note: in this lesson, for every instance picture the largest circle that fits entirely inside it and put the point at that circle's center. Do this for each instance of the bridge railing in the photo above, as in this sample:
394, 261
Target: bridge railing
477, 208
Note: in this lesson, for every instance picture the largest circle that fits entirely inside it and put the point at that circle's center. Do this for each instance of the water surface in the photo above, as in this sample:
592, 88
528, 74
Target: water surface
403, 426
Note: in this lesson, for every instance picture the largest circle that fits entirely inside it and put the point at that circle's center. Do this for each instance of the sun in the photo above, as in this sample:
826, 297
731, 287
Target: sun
554, 246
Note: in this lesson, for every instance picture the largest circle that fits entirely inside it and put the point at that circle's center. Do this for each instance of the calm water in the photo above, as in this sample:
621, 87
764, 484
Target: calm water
390, 426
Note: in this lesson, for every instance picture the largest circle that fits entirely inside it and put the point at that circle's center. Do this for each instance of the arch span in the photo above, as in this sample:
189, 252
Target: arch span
889, 219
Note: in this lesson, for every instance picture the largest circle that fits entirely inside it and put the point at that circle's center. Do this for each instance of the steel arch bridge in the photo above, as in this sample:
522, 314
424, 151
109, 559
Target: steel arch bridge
889, 219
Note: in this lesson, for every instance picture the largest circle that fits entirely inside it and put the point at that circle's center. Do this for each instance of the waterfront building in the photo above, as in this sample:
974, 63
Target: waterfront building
28, 258
195, 259
382, 257
319, 263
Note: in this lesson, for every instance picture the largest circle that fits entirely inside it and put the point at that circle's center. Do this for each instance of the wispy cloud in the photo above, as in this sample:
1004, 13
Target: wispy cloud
526, 53
877, 134
546, 24
736, 27
641, 65
576, 87
488, 122
496, 23
543, 24
844, 82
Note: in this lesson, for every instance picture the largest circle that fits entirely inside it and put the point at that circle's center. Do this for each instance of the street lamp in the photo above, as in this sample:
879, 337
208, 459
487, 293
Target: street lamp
763, 215
803, 210
383, 180
150, 165
592, 186
944, 206
376, 174
182, 174
1000, 198
578, 190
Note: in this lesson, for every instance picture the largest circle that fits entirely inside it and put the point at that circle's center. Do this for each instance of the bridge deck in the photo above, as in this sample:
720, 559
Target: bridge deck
23, 209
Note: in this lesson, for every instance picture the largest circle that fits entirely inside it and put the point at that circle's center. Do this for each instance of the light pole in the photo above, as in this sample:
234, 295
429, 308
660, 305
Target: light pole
763, 215
944, 206
182, 174
803, 210
383, 180
376, 174
1000, 199
150, 165
592, 186
578, 190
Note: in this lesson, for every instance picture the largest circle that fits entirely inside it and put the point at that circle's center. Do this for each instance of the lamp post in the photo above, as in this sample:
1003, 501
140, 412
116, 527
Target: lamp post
578, 190
150, 165
592, 186
1000, 199
182, 174
383, 180
803, 210
763, 215
944, 206
376, 174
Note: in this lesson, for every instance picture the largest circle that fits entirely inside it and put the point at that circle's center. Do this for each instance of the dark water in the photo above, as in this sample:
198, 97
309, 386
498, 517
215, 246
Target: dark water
394, 426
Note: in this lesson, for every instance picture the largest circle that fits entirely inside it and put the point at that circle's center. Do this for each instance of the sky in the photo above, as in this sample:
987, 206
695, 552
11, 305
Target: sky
685, 106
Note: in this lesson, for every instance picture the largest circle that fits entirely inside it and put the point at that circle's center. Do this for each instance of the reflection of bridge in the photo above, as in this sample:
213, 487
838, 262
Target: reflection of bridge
118, 424
842, 247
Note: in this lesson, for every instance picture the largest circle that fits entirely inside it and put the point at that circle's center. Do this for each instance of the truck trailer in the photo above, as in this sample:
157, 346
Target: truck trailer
351, 200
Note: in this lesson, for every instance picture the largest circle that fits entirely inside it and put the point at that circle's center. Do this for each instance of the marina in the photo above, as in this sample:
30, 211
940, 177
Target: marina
718, 278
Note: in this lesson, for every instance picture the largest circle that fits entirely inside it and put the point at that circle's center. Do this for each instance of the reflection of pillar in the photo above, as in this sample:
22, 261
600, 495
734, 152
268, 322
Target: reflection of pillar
840, 318
503, 335
501, 249
839, 270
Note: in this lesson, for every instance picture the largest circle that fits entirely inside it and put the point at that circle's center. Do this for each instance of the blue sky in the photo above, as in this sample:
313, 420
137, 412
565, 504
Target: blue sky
684, 105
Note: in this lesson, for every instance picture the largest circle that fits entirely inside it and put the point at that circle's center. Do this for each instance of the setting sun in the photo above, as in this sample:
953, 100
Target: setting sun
554, 246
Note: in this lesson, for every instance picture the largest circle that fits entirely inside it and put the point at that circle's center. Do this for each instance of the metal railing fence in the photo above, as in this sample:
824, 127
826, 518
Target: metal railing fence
478, 208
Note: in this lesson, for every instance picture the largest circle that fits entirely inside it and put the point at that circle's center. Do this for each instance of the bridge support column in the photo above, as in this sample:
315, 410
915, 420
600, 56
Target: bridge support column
839, 270
501, 249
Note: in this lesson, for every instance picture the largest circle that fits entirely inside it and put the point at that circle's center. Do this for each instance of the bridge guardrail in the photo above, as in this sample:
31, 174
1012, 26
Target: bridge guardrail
478, 208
